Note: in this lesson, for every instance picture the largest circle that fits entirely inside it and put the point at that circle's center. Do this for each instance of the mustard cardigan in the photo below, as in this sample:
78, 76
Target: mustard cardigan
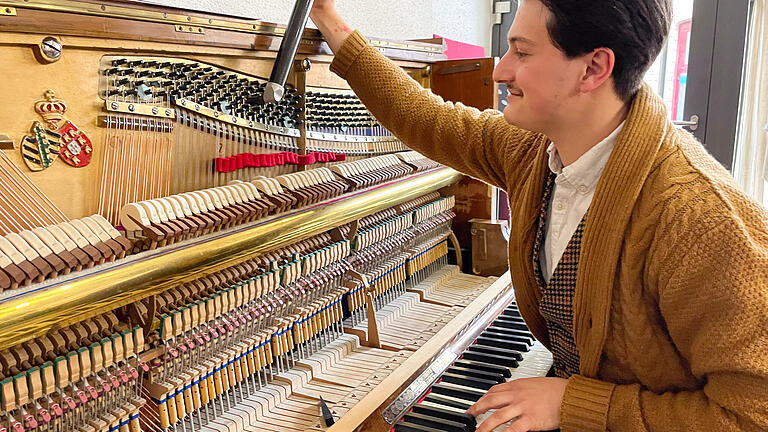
671, 302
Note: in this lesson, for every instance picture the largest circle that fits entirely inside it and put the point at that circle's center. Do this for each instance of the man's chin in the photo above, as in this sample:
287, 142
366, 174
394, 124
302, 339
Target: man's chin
514, 119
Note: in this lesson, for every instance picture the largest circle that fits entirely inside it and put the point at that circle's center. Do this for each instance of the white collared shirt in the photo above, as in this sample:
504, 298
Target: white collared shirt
572, 194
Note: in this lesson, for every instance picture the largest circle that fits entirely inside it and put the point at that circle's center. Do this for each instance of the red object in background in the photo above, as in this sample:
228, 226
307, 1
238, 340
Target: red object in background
681, 68
456, 50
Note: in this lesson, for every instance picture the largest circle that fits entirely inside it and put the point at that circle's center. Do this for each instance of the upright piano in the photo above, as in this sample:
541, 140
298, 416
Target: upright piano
176, 254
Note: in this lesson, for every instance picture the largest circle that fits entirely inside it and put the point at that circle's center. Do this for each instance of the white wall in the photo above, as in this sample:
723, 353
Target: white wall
464, 20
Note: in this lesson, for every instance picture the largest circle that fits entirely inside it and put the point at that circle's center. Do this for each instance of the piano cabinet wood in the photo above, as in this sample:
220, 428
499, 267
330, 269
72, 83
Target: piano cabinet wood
226, 297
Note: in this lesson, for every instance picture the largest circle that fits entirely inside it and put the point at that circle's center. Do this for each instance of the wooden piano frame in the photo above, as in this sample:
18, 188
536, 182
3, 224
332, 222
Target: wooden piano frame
88, 30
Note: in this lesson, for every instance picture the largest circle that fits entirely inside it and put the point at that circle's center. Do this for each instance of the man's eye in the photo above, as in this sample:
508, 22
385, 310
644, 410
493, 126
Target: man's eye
520, 54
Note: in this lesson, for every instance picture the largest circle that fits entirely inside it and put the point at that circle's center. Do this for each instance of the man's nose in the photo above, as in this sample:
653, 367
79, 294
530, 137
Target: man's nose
504, 70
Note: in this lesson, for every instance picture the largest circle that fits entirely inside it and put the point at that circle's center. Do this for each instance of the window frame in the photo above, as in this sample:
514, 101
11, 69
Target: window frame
715, 72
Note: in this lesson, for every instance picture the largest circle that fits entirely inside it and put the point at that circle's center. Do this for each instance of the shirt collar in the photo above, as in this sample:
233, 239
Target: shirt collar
586, 170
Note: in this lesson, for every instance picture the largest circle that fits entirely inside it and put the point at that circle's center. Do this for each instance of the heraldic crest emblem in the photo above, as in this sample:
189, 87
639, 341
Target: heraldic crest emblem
58, 137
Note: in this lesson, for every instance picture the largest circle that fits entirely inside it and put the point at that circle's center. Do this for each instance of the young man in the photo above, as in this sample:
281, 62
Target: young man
634, 256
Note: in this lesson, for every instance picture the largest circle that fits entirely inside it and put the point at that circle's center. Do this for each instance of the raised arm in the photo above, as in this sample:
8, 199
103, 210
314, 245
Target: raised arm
478, 143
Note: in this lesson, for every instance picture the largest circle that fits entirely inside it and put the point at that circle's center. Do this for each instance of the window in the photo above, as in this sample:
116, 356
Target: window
669, 74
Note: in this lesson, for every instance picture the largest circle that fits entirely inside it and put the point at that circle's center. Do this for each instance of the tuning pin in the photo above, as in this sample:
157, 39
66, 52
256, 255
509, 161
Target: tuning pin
114, 70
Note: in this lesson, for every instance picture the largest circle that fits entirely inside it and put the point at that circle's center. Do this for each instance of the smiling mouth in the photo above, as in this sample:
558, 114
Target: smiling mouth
511, 93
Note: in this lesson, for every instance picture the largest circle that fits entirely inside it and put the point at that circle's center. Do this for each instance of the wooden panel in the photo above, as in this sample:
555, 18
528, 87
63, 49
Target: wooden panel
146, 23
467, 81
75, 79
471, 83
489, 257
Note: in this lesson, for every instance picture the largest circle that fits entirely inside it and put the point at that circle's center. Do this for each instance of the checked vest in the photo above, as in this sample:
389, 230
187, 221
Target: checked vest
557, 301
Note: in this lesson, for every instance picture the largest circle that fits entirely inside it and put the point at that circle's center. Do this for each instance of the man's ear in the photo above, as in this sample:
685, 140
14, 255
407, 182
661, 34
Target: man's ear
599, 68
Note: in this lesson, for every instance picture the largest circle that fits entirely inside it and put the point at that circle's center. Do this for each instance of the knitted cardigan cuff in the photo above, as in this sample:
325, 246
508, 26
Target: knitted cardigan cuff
585, 404
350, 49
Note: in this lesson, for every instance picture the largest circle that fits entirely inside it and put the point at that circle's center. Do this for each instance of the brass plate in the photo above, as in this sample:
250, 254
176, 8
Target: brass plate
141, 109
349, 138
189, 29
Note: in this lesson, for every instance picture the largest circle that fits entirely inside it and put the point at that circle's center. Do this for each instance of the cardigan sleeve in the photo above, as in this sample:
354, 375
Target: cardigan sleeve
715, 306
478, 143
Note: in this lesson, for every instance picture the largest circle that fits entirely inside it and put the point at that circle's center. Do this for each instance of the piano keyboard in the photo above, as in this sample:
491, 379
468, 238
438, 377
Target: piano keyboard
504, 351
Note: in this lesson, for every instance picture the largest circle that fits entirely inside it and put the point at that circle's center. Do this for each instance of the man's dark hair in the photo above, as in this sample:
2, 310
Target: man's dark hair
634, 29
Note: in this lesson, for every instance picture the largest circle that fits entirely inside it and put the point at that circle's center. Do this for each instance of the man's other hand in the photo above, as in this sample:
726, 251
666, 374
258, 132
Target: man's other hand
534, 402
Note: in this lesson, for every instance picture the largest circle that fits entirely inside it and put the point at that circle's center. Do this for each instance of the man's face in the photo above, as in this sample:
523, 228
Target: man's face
541, 80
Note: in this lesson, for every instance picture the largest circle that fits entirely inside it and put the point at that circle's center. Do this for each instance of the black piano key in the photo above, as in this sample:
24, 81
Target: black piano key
411, 427
516, 334
445, 414
483, 366
493, 376
510, 319
458, 391
510, 325
468, 381
489, 358
512, 312
501, 342
512, 354
434, 422
528, 342
446, 401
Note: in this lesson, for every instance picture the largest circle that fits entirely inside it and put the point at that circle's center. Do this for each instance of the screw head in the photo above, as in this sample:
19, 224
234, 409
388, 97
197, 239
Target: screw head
115, 105
168, 112
155, 110
131, 108
51, 48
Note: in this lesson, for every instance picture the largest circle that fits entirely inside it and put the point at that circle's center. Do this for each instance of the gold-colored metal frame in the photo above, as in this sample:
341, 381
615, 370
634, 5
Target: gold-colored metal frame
36, 310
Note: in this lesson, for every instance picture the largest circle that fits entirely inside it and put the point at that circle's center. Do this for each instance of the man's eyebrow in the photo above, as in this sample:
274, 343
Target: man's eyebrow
514, 39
